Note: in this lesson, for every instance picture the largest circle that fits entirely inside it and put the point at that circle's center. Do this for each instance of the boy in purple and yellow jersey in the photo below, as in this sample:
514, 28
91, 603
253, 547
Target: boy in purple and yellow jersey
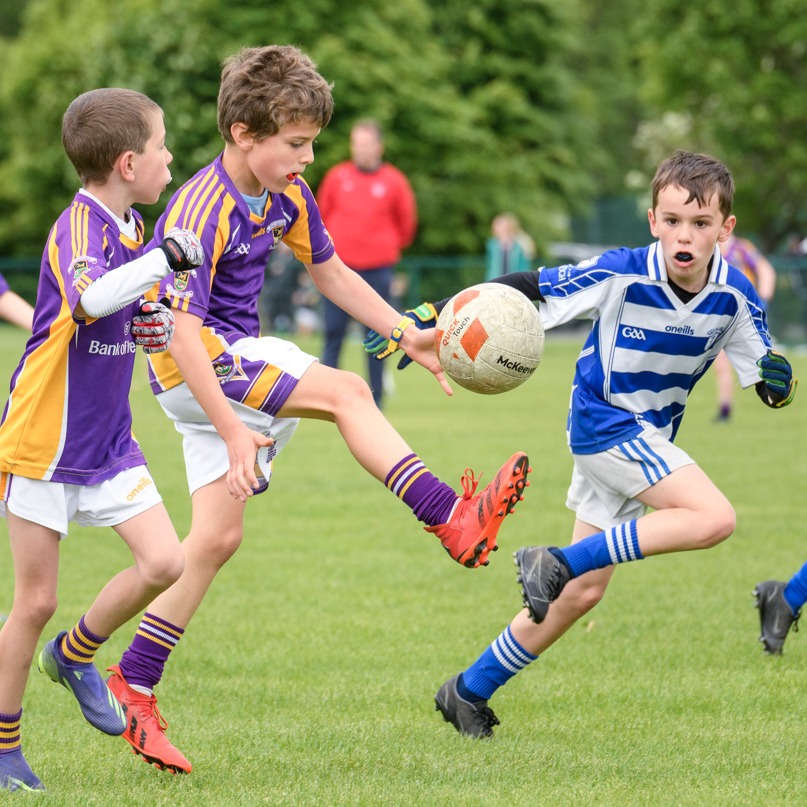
67, 452
233, 394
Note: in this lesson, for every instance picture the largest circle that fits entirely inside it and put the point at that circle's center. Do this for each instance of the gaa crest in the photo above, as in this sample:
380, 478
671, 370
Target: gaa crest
229, 372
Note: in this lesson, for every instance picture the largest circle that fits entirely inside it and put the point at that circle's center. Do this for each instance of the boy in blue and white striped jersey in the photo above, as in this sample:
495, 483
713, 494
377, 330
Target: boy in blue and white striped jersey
661, 315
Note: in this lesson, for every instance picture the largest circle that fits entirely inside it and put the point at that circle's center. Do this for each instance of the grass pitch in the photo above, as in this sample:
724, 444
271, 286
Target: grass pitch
308, 674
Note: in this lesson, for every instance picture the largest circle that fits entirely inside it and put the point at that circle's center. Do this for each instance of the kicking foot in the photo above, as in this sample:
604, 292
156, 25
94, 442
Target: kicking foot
470, 534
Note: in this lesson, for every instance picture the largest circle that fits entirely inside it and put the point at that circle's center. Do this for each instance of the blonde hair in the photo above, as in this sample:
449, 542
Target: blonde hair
270, 87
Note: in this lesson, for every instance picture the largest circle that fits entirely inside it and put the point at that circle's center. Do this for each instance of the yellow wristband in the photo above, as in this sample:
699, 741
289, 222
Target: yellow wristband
395, 337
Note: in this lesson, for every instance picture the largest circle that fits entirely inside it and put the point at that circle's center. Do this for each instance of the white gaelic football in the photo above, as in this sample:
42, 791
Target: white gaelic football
489, 338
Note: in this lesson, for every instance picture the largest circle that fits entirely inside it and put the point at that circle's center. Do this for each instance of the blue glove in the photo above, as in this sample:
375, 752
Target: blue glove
424, 316
776, 372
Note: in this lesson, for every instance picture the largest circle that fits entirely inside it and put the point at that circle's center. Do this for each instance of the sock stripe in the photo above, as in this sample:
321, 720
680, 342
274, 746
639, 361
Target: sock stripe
415, 466
10, 731
396, 471
80, 645
80, 639
496, 648
509, 653
162, 626
151, 632
423, 470
152, 638
518, 652
496, 666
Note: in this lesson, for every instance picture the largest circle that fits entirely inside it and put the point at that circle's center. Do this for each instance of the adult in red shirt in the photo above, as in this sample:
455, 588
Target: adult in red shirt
369, 209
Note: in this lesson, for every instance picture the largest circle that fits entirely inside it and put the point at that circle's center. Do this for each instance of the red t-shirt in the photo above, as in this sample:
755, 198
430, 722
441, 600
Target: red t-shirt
371, 216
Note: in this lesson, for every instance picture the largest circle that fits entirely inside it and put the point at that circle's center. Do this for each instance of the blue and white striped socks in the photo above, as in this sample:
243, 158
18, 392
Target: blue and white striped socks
494, 668
615, 545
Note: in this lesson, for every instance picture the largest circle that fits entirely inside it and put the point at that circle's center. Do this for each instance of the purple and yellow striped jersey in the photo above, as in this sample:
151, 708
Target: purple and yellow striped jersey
67, 418
223, 292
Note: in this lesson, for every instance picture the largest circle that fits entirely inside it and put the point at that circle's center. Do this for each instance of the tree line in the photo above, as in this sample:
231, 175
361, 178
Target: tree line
538, 107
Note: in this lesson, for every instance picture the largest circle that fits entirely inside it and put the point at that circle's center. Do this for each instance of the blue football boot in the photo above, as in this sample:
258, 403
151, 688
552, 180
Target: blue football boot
98, 705
16, 774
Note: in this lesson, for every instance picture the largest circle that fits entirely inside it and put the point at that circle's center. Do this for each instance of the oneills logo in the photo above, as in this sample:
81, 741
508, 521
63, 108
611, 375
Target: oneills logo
142, 484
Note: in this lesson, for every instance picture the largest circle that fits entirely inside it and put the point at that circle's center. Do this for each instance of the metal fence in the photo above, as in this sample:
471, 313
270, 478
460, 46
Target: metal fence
433, 277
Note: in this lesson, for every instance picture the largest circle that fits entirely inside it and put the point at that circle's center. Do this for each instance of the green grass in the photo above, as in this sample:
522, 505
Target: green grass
308, 674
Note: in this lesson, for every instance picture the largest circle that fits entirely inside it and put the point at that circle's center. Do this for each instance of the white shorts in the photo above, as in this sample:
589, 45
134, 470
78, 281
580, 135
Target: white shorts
55, 504
244, 368
604, 485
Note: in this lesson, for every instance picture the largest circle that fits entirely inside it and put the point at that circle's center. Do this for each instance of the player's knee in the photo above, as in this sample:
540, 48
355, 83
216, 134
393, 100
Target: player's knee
225, 546
161, 573
352, 390
717, 524
586, 596
37, 609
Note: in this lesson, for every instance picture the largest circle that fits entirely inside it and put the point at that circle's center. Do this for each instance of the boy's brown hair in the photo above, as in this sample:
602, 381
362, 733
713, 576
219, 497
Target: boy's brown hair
698, 174
268, 88
100, 125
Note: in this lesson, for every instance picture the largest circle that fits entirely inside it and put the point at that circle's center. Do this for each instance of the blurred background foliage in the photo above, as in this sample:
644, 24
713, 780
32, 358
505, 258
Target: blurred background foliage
540, 107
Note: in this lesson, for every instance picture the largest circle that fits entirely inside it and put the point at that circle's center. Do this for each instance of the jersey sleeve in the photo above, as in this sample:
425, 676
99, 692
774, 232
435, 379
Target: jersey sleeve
204, 207
306, 234
749, 341
579, 291
77, 252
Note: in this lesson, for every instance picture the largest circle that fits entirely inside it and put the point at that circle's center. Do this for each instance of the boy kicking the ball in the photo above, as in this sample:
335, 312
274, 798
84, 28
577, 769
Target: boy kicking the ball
67, 452
661, 315
232, 393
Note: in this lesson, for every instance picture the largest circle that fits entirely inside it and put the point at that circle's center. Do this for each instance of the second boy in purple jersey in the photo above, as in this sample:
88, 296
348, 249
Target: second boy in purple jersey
233, 394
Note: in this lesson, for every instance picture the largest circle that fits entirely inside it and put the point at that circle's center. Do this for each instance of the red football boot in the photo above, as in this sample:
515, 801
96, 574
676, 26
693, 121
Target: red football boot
145, 726
470, 534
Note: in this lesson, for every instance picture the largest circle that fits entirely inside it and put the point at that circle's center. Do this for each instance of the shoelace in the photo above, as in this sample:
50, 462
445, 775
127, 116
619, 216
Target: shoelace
469, 481
490, 718
151, 709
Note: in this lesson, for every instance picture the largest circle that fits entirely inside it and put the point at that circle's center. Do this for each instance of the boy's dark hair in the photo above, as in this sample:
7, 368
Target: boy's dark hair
268, 88
700, 175
100, 125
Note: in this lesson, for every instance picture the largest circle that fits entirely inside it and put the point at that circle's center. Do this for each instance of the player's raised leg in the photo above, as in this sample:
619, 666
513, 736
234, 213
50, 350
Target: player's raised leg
467, 526
463, 699
690, 513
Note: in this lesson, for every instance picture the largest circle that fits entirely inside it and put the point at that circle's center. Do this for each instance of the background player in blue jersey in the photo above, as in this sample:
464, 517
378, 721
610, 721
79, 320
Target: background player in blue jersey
232, 392
67, 452
661, 314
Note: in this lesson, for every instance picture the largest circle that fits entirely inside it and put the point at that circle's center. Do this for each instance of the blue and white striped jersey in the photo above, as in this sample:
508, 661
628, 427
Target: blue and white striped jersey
647, 348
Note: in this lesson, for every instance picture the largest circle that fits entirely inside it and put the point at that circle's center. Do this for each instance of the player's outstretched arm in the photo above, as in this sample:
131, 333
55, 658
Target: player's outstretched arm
243, 443
180, 250
351, 293
778, 385
16, 310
